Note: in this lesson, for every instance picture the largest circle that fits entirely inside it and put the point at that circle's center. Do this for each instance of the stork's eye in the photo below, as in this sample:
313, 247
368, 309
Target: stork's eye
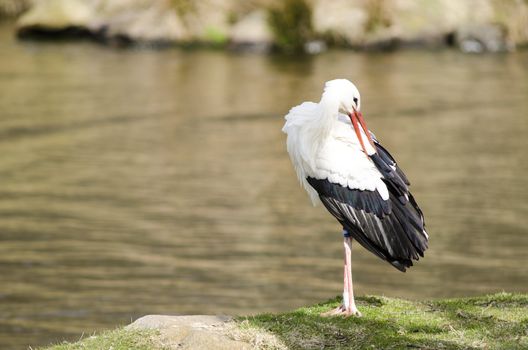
355, 101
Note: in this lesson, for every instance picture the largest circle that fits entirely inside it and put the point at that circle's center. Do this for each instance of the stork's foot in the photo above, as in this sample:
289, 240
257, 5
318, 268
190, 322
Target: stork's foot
334, 312
342, 311
353, 312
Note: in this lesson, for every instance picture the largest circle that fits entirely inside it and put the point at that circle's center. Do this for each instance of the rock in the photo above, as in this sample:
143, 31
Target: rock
252, 33
13, 8
343, 20
315, 47
56, 15
482, 38
513, 15
193, 321
383, 24
432, 20
191, 332
137, 21
472, 25
134, 21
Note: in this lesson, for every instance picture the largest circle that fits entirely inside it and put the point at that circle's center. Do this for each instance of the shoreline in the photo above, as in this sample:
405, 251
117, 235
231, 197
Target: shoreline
496, 321
292, 26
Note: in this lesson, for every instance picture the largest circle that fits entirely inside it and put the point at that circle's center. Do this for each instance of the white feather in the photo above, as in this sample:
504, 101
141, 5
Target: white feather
322, 144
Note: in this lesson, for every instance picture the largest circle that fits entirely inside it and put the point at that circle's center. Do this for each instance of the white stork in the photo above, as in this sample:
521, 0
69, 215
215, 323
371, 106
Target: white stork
341, 164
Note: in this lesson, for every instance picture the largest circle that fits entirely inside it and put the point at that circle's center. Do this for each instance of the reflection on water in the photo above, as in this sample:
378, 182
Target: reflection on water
137, 182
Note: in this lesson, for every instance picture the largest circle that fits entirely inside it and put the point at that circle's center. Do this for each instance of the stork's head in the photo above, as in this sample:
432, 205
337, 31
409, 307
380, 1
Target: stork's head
344, 95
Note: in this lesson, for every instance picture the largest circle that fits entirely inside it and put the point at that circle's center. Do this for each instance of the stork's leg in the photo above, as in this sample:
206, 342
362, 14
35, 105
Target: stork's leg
348, 298
348, 308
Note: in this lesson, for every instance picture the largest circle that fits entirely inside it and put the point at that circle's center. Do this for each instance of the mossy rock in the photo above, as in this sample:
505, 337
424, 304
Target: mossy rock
291, 24
497, 321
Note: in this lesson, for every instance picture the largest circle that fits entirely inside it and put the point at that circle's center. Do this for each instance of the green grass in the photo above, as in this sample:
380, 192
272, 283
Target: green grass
118, 339
498, 321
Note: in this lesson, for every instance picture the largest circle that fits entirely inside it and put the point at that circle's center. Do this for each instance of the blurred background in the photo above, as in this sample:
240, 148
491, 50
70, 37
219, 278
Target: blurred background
143, 169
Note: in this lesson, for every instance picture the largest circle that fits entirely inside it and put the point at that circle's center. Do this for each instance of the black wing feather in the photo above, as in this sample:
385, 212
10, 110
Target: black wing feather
392, 229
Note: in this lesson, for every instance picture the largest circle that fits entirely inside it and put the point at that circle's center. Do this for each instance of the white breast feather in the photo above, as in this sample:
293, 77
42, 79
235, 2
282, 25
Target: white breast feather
333, 153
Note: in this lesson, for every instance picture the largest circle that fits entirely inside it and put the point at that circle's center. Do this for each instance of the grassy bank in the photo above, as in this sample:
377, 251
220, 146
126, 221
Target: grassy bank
498, 321
118, 339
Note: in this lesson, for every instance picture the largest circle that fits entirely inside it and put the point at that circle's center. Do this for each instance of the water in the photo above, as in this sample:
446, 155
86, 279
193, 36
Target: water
138, 182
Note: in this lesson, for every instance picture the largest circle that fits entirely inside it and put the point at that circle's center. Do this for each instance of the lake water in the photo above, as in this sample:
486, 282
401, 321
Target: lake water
135, 182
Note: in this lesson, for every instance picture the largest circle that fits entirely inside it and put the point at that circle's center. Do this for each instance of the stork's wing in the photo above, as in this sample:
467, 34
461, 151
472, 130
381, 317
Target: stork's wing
393, 229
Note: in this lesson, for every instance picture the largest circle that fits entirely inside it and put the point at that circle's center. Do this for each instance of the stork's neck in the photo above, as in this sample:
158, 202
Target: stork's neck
318, 128
329, 108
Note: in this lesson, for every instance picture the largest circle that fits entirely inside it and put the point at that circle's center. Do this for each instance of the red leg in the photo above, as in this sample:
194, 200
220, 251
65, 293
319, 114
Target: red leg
350, 304
348, 307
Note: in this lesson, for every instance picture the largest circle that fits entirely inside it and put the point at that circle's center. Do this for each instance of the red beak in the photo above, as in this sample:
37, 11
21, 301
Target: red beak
357, 119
